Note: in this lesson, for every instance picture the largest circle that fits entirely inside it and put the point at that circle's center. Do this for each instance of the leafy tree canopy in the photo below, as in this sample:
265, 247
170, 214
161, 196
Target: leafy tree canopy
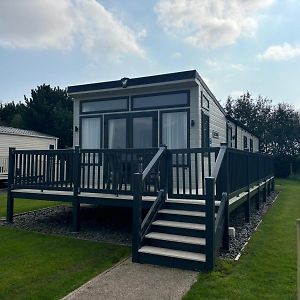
48, 110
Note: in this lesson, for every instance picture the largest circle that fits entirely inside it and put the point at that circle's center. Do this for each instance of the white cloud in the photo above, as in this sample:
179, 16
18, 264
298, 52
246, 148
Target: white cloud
280, 52
238, 67
64, 25
210, 23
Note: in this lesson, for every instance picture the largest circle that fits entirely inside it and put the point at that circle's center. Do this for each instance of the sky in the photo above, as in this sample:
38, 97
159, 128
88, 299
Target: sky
235, 45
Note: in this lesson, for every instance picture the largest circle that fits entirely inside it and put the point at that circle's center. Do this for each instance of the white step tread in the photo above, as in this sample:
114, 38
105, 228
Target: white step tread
176, 238
191, 201
173, 253
179, 224
182, 212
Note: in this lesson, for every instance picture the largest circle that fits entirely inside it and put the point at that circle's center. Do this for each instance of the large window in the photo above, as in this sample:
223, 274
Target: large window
205, 130
160, 100
104, 105
91, 133
174, 129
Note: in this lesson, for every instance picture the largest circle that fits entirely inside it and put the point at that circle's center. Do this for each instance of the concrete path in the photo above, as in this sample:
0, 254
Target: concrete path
132, 281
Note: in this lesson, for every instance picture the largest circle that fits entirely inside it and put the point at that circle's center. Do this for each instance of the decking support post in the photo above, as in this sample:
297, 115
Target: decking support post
137, 188
210, 222
10, 198
76, 177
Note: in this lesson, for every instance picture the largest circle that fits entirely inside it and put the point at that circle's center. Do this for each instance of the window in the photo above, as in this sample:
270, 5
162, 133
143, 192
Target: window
251, 145
229, 137
91, 133
174, 129
161, 100
105, 105
204, 101
205, 130
245, 143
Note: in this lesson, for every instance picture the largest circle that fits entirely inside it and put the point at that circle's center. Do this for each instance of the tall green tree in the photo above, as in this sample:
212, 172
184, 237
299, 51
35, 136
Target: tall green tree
278, 127
50, 110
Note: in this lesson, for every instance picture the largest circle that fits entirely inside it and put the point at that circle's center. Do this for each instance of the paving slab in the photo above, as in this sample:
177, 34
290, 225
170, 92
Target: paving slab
134, 281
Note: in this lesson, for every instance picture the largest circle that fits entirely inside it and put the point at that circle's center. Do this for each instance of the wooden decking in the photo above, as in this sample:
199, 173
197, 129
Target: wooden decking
120, 200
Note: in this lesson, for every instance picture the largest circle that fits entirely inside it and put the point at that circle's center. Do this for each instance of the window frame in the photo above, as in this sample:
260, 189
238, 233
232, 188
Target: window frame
187, 110
80, 129
104, 99
204, 97
245, 142
203, 113
160, 94
251, 148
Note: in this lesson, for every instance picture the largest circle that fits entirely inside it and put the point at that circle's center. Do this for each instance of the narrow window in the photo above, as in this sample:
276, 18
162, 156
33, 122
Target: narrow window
251, 145
205, 131
91, 133
245, 143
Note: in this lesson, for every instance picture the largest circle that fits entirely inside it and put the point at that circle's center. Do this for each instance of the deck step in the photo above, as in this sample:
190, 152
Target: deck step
182, 212
176, 238
191, 201
173, 253
183, 225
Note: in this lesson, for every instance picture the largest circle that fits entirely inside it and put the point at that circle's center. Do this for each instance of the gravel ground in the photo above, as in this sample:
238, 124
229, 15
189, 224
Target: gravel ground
100, 224
243, 230
105, 224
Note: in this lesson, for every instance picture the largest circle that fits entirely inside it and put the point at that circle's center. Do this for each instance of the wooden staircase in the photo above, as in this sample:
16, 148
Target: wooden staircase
177, 236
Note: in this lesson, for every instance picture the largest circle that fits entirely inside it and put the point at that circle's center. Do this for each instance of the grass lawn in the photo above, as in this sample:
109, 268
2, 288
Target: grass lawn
23, 205
267, 269
37, 266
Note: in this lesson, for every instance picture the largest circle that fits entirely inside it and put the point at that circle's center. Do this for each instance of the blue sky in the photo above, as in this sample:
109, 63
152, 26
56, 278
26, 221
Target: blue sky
235, 45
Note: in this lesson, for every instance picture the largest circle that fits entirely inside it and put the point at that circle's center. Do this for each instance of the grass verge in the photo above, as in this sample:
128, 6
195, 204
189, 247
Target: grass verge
267, 268
38, 266
23, 205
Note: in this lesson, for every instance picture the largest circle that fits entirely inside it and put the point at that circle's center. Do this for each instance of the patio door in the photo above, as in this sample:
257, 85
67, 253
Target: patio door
135, 130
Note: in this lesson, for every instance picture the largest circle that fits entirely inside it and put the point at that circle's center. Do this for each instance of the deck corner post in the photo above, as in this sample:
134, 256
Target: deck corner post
137, 188
10, 198
76, 177
210, 222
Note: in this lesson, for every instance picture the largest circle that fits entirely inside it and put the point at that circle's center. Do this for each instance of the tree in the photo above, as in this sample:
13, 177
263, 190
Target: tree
50, 110
277, 126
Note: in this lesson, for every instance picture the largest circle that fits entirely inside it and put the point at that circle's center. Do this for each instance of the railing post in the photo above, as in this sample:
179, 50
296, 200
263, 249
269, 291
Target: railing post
76, 178
137, 188
257, 200
248, 203
164, 172
210, 223
10, 198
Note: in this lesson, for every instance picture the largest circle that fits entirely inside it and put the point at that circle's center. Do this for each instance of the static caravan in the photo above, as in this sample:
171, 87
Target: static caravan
162, 144
177, 110
22, 139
